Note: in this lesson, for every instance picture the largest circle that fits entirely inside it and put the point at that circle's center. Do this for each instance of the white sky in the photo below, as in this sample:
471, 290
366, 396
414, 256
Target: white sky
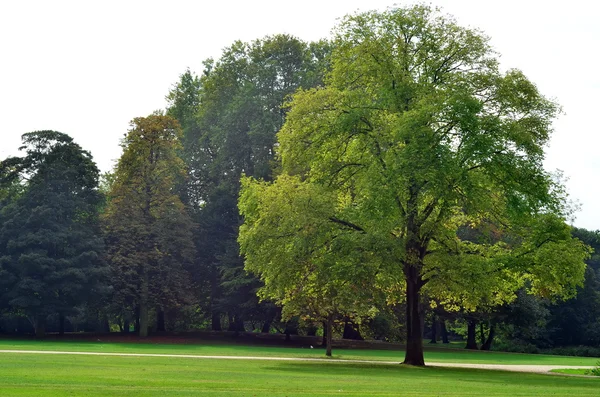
87, 68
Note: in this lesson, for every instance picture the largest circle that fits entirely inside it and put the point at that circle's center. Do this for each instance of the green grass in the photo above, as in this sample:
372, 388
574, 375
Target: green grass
206, 348
571, 371
62, 375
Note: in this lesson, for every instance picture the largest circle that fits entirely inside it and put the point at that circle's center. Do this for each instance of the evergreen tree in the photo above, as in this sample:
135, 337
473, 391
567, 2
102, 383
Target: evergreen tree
50, 243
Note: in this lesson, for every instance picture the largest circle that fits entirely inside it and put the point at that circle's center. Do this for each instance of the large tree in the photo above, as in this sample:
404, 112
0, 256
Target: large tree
230, 116
51, 248
148, 230
417, 134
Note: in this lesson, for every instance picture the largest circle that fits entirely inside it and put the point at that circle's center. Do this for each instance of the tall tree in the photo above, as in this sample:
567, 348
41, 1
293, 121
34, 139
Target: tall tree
148, 231
418, 133
230, 117
50, 239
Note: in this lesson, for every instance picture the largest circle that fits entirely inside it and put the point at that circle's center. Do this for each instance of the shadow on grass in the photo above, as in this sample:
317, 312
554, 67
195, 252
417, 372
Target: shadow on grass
419, 374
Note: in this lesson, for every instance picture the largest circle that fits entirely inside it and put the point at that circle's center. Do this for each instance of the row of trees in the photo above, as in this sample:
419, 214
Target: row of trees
394, 166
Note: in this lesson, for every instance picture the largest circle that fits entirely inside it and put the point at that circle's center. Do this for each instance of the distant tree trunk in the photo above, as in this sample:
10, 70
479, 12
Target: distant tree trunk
434, 324
444, 331
481, 333
471, 334
61, 324
487, 345
311, 330
351, 331
126, 325
329, 336
136, 326
144, 315
216, 321
160, 320
40, 326
231, 321
239, 324
291, 328
266, 328
325, 330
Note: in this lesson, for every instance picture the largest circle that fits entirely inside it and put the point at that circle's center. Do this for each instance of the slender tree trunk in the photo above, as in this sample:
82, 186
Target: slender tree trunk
40, 326
434, 324
266, 328
471, 334
136, 326
126, 325
216, 321
329, 336
61, 324
160, 320
481, 333
325, 330
444, 331
487, 345
414, 331
231, 322
144, 320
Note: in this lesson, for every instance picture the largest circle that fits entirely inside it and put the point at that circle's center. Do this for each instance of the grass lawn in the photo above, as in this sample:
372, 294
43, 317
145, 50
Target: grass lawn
222, 349
61, 375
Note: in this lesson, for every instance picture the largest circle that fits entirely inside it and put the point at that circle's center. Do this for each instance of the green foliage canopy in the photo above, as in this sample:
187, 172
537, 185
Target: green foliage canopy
415, 134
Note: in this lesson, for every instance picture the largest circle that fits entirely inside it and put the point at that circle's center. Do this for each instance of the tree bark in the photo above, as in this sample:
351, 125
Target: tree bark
487, 345
444, 331
434, 324
471, 334
329, 336
414, 331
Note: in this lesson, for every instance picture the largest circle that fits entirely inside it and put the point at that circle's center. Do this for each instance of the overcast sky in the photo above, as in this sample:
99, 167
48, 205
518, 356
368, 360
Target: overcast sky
87, 68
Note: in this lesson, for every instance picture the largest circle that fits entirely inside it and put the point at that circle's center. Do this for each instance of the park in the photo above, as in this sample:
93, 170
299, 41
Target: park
368, 214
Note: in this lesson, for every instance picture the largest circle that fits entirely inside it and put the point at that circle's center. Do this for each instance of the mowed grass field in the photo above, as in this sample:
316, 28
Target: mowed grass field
72, 375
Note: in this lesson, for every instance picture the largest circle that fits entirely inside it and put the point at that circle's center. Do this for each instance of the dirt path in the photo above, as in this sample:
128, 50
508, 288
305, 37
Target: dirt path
540, 369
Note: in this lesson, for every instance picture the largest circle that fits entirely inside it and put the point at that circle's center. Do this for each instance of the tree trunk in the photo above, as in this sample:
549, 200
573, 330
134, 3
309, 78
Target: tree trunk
414, 331
40, 326
266, 328
126, 326
136, 325
160, 320
471, 334
351, 331
444, 331
487, 345
481, 333
434, 324
216, 321
231, 321
325, 330
61, 324
329, 336
144, 320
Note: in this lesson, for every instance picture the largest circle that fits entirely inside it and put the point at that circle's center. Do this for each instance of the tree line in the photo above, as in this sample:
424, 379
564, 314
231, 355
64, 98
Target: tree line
387, 179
